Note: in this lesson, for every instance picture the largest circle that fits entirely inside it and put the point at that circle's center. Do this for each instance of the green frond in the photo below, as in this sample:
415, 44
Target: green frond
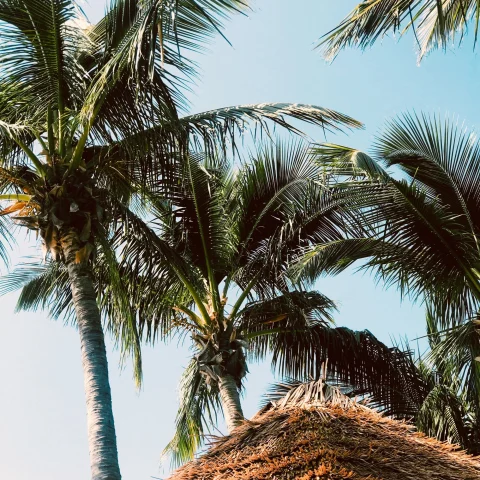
40, 44
225, 125
439, 155
43, 285
441, 416
457, 352
335, 256
138, 46
268, 194
199, 404
224, 129
121, 318
427, 220
158, 277
293, 312
434, 24
344, 162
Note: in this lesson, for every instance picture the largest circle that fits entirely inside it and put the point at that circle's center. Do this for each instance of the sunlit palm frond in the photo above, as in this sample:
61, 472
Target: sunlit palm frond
224, 129
229, 123
40, 44
435, 24
341, 162
141, 45
369, 21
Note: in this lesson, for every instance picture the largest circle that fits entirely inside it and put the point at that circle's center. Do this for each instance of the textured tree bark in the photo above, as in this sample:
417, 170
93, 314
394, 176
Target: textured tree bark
101, 429
230, 398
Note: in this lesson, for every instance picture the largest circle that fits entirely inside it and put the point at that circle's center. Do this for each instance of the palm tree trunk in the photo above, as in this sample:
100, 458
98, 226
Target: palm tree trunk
101, 428
230, 398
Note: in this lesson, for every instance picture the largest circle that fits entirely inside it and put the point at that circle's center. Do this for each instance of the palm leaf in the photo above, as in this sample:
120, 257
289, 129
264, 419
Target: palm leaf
441, 416
435, 24
39, 48
199, 404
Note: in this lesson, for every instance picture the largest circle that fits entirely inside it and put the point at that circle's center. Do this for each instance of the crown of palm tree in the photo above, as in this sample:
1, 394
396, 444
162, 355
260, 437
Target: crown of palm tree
424, 226
232, 233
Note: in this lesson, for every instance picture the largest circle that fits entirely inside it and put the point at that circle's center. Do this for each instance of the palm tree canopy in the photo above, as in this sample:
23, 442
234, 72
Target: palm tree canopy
425, 217
233, 233
434, 24
424, 220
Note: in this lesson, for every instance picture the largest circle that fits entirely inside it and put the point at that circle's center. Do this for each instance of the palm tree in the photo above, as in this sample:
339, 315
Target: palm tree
434, 24
424, 229
89, 116
215, 267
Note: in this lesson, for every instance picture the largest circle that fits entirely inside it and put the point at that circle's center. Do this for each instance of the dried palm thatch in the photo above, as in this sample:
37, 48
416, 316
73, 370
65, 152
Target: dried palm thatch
314, 432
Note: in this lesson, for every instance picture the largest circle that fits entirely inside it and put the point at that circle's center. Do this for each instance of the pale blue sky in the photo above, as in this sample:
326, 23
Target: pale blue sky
43, 425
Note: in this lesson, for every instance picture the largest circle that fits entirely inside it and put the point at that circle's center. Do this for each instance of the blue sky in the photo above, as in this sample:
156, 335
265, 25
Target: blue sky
43, 424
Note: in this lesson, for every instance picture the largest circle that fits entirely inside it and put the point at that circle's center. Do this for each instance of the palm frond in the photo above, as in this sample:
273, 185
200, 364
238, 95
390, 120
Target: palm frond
199, 404
459, 350
427, 222
121, 319
269, 195
441, 416
335, 256
39, 48
293, 312
223, 129
342, 162
441, 156
435, 24
43, 285
225, 124
369, 21
157, 277
140, 47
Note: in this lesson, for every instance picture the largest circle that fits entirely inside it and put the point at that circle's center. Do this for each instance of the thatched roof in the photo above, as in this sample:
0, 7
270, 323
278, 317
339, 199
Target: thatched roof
335, 439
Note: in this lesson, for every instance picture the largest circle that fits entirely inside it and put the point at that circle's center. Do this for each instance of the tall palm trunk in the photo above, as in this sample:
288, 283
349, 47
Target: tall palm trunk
101, 428
230, 398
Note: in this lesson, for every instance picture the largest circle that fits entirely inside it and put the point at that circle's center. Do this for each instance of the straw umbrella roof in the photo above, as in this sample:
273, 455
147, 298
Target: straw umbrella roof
332, 438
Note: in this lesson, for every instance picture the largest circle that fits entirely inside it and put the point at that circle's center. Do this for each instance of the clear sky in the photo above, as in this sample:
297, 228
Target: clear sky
43, 424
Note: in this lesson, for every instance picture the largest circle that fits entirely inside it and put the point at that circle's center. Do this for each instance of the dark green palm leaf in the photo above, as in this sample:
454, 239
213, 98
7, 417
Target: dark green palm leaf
199, 404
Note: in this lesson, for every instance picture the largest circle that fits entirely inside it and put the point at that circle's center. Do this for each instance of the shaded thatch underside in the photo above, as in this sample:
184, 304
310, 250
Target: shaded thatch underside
329, 442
